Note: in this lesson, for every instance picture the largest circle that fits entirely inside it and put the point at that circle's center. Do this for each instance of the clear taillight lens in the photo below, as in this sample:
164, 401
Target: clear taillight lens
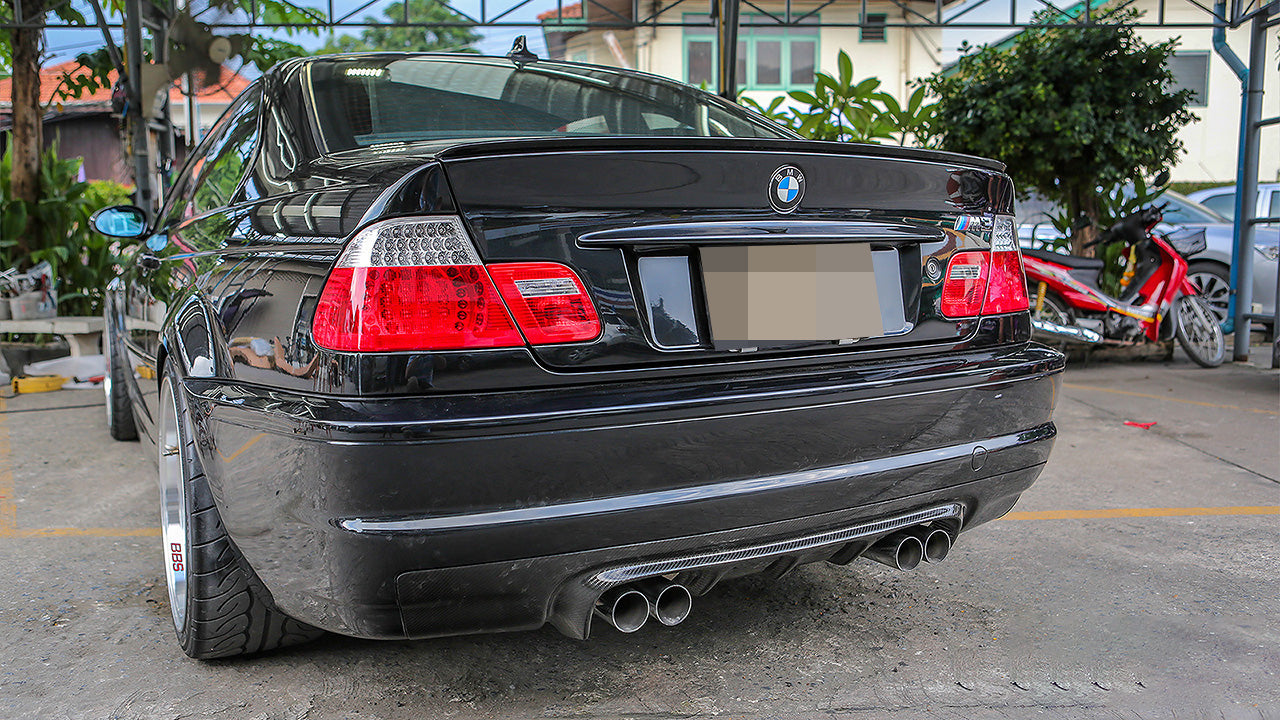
986, 282
418, 284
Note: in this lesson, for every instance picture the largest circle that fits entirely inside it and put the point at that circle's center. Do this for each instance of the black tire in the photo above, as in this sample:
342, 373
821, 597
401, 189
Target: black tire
1213, 283
119, 408
223, 609
1199, 332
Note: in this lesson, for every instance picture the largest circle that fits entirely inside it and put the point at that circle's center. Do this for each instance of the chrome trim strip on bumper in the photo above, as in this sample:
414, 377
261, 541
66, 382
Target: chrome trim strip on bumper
693, 494
626, 573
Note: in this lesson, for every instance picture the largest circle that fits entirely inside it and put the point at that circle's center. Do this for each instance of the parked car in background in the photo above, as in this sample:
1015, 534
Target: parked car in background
1222, 200
1210, 270
440, 344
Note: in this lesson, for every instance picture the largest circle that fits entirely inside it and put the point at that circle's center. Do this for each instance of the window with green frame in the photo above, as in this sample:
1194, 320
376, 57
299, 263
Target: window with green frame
770, 56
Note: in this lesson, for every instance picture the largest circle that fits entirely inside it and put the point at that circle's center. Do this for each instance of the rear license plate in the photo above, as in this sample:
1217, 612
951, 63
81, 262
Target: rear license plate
770, 294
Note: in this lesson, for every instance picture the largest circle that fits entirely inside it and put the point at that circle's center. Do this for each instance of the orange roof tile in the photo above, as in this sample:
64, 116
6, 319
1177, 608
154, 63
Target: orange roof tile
51, 77
565, 12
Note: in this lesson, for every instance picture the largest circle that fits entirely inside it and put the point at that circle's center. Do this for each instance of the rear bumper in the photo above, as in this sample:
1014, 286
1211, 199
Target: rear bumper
413, 517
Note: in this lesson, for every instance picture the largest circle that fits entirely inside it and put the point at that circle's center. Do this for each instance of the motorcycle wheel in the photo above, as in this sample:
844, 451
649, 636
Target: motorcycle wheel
1198, 331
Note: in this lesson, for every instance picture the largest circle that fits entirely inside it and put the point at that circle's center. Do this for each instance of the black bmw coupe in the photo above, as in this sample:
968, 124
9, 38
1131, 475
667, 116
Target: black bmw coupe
439, 344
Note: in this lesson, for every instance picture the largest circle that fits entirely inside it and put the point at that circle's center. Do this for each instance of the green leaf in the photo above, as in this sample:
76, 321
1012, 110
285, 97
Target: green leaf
846, 68
804, 97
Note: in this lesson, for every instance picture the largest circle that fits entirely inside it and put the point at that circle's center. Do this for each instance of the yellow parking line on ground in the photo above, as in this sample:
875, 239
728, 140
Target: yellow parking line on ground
1142, 512
1073, 386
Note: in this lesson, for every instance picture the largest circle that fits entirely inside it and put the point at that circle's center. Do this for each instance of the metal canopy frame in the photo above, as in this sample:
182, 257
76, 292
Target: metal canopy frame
497, 14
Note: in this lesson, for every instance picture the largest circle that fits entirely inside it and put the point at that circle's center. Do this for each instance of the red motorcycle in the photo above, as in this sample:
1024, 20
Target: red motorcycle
1156, 303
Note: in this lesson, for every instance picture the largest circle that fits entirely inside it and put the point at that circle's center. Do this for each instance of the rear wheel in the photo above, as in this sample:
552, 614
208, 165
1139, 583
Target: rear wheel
1213, 283
1199, 331
220, 608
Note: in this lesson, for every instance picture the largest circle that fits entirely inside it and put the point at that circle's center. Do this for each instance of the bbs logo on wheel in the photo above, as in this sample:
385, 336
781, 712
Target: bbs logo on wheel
786, 188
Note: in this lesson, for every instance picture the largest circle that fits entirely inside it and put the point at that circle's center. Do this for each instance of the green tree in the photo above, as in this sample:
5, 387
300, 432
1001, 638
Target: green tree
844, 110
83, 261
1069, 110
450, 39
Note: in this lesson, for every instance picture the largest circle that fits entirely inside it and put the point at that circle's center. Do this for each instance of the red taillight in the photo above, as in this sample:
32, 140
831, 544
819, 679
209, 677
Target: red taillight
966, 284
986, 282
412, 308
548, 301
1007, 286
418, 284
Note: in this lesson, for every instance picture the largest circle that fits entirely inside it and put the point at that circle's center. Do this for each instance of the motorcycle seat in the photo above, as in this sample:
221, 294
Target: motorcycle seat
1071, 261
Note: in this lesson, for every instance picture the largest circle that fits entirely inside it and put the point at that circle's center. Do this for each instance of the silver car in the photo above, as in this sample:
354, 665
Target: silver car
1222, 200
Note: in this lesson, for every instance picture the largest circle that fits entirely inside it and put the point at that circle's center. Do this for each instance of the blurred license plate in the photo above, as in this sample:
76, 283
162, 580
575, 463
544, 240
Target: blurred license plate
770, 294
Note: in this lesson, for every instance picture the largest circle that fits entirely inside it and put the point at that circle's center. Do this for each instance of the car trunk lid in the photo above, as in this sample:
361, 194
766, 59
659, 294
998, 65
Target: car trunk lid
671, 236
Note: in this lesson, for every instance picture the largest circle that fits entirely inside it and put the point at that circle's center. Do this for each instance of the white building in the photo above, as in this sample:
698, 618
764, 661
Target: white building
774, 59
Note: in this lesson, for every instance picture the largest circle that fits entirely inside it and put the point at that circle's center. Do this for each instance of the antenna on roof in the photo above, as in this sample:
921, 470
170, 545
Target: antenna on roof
520, 54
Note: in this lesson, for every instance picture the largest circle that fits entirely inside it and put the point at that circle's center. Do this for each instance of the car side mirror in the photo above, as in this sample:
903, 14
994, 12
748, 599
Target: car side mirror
122, 221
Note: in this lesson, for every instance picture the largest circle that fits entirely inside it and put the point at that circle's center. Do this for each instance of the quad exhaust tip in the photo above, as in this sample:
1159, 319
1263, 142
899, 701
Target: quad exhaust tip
901, 550
937, 544
669, 603
627, 608
906, 549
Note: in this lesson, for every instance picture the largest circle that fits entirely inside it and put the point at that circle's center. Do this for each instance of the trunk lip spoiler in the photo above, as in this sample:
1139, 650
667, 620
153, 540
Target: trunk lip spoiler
632, 143
763, 232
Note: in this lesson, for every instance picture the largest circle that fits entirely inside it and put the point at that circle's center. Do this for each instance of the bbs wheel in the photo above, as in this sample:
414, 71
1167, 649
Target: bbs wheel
1199, 332
220, 608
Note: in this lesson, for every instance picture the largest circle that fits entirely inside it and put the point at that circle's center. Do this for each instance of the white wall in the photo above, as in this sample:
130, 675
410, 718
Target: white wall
1211, 142
902, 57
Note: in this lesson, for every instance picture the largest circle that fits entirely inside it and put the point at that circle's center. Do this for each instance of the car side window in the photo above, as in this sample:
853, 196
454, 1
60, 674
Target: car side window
1224, 204
227, 156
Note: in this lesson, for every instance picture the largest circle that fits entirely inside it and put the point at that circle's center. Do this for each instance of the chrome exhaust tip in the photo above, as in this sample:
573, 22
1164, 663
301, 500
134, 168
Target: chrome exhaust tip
1043, 328
937, 544
624, 608
669, 603
901, 550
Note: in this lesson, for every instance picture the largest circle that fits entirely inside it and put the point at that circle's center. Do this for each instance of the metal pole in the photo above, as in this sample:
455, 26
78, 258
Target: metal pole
1242, 72
727, 32
1247, 192
135, 122
1275, 329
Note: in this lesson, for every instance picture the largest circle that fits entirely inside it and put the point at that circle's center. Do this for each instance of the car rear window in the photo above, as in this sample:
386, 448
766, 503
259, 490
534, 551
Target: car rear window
359, 102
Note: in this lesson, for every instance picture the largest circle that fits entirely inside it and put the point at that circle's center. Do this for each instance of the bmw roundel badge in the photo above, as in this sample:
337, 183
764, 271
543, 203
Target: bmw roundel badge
786, 188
